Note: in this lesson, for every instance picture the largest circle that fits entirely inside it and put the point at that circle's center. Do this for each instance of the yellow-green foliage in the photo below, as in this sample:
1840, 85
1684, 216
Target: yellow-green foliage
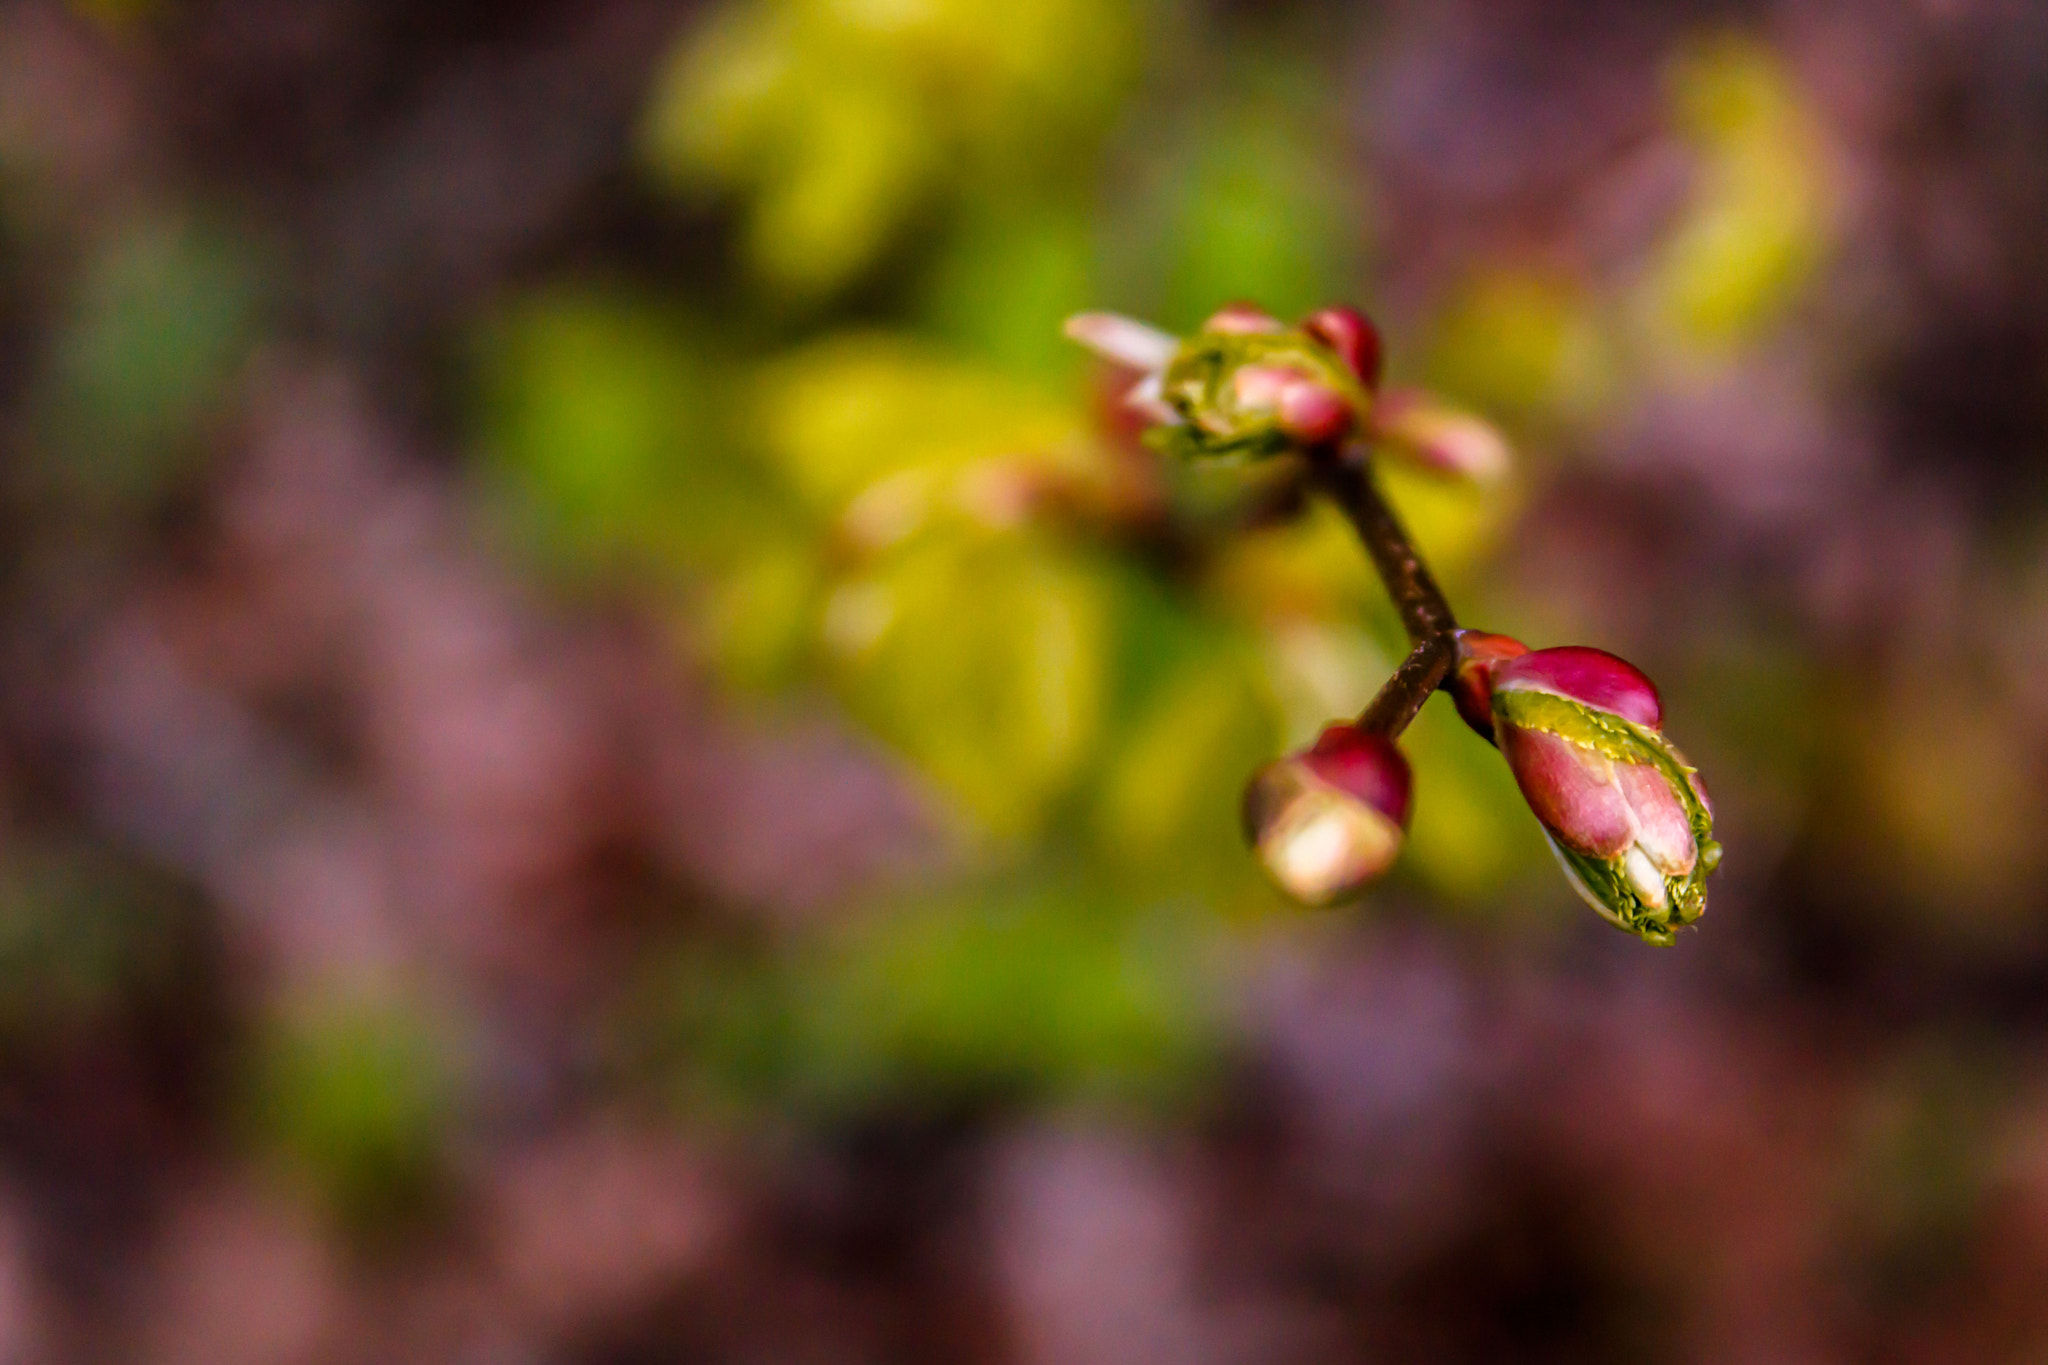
1757, 223
840, 120
353, 1096
1046, 993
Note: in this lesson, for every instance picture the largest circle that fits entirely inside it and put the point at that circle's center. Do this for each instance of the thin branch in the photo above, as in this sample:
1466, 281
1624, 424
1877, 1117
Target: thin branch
1348, 482
1427, 616
1401, 698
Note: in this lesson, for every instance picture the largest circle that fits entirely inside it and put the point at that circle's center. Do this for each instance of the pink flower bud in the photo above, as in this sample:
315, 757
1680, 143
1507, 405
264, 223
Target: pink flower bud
1623, 810
1312, 413
1329, 819
1243, 385
1352, 336
1427, 432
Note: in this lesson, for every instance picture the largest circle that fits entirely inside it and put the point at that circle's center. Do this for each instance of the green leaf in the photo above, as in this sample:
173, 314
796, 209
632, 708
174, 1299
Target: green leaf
1040, 996
354, 1095
162, 318
603, 438
986, 662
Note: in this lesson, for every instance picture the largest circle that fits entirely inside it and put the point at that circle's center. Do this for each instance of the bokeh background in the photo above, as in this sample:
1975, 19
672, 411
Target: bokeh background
610, 753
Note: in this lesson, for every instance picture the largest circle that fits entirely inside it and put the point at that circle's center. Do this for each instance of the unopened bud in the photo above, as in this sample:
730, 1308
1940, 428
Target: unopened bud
1242, 319
1352, 336
1623, 810
1329, 819
1245, 384
1258, 392
1439, 437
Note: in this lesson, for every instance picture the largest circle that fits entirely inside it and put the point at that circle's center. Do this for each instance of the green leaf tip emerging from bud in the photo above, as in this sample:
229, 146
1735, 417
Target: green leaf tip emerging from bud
1329, 819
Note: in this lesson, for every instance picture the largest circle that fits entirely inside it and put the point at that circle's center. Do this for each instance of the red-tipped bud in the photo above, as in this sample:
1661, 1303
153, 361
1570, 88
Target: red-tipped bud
1329, 819
1353, 337
1242, 319
1440, 438
1621, 807
1471, 680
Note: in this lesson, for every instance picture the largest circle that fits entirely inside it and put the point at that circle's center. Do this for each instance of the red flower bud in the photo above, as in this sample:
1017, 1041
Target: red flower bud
1312, 413
1352, 336
1329, 819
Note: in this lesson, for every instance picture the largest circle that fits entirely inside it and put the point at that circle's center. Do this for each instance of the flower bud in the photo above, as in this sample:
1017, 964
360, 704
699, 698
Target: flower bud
1438, 437
1329, 819
1352, 336
1471, 680
1239, 392
1245, 384
1243, 319
1623, 810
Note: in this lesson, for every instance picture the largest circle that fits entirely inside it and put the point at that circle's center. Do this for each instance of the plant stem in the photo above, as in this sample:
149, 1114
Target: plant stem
1424, 612
1402, 696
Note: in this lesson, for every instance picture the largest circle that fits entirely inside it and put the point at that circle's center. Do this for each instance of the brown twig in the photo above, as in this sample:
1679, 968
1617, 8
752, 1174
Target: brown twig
1346, 478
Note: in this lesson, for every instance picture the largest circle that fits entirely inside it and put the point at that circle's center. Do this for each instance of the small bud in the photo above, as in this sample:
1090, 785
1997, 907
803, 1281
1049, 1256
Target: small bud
1258, 393
1245, 384
1623, 810
1439, 437
1352, 336
1329, 819
1471, 680
1312, 413
1242, 319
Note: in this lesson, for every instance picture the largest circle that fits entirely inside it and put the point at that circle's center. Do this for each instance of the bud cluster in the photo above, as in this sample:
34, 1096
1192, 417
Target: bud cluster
1248, 385
1581, 730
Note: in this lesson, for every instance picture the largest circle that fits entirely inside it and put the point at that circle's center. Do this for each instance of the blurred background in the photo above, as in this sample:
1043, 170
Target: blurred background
610, 752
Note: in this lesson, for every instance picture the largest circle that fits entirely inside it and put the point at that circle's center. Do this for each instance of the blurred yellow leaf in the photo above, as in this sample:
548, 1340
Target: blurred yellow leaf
841, 119
1515, 341
1172, 790
986, 662
1758, 221
759, 616
837, 417
1311, 567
